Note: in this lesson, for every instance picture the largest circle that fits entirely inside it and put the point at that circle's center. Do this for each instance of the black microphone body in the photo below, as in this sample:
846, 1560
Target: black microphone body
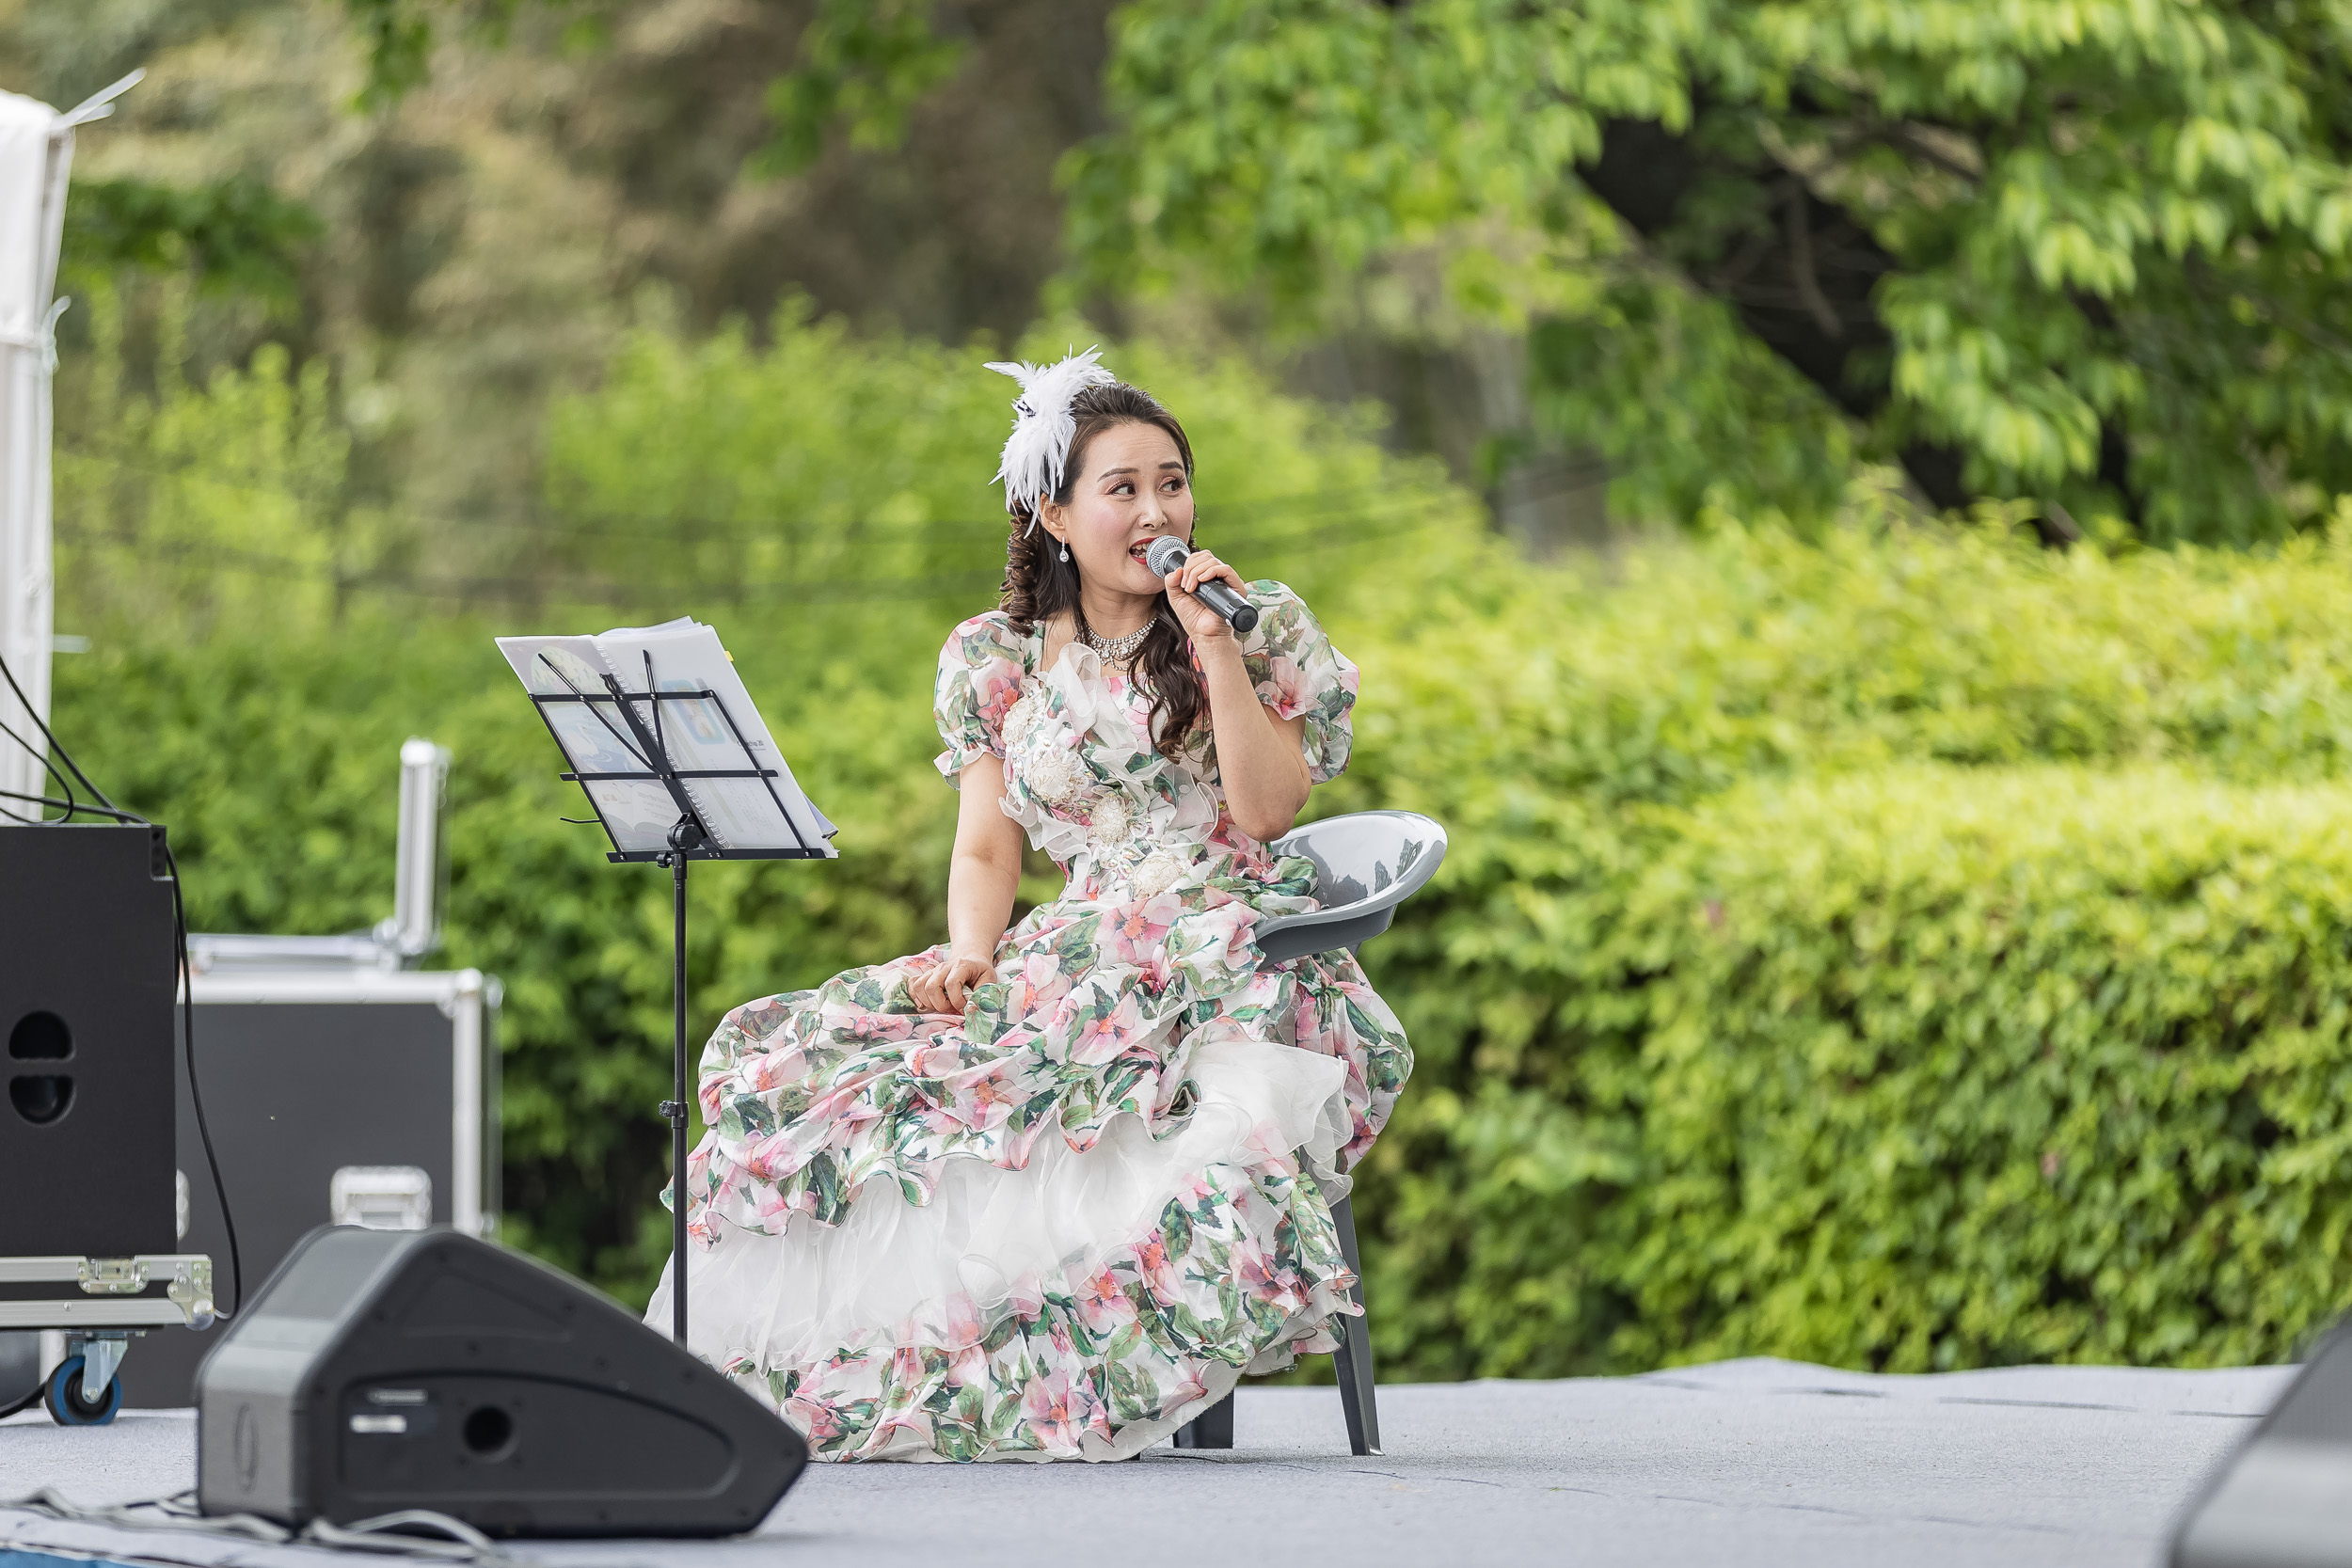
1165, 554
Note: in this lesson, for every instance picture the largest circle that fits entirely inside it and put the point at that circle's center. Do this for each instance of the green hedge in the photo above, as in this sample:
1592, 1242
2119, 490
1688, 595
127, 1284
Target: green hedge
1589, 1172
1949, 1067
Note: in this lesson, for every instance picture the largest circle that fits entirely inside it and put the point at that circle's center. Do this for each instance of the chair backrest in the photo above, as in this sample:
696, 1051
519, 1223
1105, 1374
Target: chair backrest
1366, 865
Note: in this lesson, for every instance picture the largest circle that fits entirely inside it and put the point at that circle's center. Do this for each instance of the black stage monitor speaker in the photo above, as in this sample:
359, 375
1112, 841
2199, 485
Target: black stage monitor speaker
384, 1370
2284, 1498
88, 970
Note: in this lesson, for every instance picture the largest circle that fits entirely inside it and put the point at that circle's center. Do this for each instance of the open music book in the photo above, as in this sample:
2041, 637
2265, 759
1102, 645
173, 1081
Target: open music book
700, 736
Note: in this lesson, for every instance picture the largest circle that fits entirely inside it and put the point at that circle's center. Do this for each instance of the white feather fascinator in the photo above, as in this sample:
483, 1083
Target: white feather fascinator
1039, 447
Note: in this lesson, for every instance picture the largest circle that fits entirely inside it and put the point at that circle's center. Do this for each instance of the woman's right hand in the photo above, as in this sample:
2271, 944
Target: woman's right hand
947, 986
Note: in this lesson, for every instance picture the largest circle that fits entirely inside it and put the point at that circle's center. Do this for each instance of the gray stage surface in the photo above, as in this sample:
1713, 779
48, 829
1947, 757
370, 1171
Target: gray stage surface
1742, 1461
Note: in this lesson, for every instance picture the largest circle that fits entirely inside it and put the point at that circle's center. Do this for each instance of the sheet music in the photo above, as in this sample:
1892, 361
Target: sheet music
686, 657
741, 814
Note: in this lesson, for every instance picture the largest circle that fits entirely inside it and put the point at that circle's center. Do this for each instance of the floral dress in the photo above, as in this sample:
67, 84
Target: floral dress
1065, 1223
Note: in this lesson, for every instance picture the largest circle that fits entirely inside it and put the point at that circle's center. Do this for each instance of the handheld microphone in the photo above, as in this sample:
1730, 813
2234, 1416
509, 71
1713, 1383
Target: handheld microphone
1165, 554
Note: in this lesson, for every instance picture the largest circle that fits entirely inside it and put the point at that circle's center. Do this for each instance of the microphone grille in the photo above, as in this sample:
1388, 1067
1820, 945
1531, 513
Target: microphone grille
1164, 555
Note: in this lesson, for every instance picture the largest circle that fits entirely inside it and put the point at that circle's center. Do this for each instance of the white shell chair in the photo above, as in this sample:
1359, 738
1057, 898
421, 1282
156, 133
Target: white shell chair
1366, 865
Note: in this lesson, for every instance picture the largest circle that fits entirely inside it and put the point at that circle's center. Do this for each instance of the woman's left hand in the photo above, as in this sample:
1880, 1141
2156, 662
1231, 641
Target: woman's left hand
1203, 623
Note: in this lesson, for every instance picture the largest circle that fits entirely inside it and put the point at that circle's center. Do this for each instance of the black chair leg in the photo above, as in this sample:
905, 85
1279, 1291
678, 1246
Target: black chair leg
1211, 1428
1353, 1359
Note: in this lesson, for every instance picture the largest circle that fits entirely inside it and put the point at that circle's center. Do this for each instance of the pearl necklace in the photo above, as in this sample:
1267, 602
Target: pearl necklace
1116, 650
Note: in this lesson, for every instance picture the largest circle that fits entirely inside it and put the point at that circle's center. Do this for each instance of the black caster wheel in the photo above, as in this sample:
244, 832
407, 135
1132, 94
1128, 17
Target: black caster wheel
67, 1404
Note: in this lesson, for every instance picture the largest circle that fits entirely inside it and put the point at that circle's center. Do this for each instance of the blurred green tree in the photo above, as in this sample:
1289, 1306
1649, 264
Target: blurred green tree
234, 234
2086, 252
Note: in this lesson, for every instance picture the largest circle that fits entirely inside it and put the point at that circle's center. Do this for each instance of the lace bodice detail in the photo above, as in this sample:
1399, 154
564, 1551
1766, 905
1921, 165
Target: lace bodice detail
1081, 774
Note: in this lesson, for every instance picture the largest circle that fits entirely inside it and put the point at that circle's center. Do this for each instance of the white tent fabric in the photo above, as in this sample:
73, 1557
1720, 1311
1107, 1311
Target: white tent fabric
36, 152
36, 147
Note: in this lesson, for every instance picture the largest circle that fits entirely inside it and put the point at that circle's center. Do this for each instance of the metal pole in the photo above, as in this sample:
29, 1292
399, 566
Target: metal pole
682, 838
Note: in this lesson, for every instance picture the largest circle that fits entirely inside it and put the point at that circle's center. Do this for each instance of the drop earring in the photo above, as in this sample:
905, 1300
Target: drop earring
1065, 549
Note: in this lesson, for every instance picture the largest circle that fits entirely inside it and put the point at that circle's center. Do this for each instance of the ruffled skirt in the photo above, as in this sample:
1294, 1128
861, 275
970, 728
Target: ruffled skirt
1083, 1308
1059, 1227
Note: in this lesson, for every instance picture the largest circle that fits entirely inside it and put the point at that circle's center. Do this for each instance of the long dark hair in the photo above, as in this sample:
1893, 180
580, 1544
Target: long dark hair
1040, 585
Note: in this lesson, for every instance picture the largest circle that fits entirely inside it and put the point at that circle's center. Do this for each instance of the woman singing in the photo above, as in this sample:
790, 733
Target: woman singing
1047, 1192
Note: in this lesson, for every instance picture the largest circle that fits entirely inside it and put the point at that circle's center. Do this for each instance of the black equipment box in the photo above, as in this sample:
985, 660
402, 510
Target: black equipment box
335, 1095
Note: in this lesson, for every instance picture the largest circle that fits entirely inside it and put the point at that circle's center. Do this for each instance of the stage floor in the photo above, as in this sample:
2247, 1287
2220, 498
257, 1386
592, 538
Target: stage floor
1742, 1462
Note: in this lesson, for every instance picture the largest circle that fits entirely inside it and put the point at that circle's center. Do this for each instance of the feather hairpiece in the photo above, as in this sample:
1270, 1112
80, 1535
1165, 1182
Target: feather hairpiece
1038, 448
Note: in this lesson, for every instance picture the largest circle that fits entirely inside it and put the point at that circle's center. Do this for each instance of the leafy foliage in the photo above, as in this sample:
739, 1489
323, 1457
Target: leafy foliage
2093, 252
397, 39
863, 63
399, 45
1832, 939
866, 62
234, 234
2122, 228
830, 468
1947, 1069
198, 508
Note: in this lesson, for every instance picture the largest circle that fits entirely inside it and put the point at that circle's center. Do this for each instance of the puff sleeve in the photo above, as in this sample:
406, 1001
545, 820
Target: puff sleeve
1299, 674
980, 672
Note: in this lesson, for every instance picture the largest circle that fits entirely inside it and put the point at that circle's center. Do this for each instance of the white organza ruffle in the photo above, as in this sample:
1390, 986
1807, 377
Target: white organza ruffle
989, 1234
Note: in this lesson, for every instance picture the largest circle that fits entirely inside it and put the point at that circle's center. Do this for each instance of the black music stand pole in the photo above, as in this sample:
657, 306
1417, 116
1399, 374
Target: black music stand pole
684, 838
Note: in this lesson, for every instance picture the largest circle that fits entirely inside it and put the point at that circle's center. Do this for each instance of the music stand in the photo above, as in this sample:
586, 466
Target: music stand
691, 838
